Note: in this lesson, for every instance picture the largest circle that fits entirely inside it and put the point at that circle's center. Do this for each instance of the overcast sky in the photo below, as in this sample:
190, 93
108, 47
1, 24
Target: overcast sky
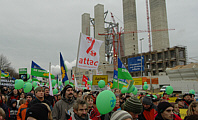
39, 30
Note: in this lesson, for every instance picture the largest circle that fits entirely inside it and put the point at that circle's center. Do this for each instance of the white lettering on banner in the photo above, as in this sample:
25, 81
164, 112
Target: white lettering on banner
88, 57
124, 70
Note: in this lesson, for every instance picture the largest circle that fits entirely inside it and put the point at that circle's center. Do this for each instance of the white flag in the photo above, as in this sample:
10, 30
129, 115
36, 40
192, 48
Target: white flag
50, 85
88, 54
76, 85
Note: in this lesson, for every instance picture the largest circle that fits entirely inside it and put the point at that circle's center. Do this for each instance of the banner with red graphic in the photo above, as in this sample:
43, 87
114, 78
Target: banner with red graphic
85, 79
88, 54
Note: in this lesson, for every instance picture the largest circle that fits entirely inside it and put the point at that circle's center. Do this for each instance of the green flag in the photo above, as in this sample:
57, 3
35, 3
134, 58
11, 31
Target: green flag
123, 73
36, 70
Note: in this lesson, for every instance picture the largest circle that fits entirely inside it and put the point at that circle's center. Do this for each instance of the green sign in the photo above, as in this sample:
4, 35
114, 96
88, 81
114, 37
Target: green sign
22, 70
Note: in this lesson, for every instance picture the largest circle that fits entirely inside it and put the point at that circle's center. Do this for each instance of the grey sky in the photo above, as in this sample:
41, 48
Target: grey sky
39, 29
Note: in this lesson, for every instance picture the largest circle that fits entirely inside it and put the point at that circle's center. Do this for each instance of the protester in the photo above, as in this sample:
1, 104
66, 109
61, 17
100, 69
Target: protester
93, 111
133, 106
4, 107
176, 109
39, 111
23, 108
2, 114
80, 108
192, 109
79, 94
117, 106
165, 112
48, 97
180, 102
13, 110
62, 107
4, 99
148, 109
187, 100
14, 95
165, 96
121, 115
192, 117
39, 97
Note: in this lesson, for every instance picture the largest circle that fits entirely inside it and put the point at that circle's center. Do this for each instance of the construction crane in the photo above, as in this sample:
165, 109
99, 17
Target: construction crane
117, 43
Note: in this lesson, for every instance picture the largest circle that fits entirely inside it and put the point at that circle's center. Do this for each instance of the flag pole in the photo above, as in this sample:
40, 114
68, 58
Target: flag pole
77, 58
50, 84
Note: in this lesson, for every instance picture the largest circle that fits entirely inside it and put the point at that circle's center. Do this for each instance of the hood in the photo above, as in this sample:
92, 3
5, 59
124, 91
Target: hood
13, 100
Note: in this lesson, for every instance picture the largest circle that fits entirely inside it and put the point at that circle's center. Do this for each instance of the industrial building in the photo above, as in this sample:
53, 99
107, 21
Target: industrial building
158, 61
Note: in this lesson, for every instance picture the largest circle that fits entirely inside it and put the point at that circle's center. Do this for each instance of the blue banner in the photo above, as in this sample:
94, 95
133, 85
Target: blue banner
134, 64
63, 69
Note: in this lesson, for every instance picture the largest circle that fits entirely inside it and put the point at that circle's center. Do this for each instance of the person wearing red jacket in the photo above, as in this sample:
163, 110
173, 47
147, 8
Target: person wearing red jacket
93, 111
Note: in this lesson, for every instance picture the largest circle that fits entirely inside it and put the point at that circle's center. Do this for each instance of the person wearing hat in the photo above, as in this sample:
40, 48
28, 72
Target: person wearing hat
165, 96
39, 111
121, 115
39, 97
148, 109
187, 100
133, 106
23, 108
62, 107
180, 102
165, 112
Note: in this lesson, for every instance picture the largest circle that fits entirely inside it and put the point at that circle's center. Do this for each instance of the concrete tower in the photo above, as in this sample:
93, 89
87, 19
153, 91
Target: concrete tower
86, 24
130, 24
160, 39
99, 28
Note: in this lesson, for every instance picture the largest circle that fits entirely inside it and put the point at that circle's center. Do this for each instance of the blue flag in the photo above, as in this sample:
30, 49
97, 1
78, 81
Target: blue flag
63, 69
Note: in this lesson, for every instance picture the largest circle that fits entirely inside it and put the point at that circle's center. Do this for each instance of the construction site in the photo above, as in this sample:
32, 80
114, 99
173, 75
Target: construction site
123, 43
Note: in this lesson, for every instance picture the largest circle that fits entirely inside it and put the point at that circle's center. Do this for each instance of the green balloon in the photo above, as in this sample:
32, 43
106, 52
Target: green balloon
123, 90
145, 87
169, 90
27, 87
55, 91
53, 83
105, 101
30, 80
135, 91
131, 89
34, 84
192, 91
66, 82
59, 83
43, 83
18, 84
47, 84
101, 83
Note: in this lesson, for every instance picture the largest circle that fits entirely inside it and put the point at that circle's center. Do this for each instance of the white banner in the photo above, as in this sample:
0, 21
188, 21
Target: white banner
88, 54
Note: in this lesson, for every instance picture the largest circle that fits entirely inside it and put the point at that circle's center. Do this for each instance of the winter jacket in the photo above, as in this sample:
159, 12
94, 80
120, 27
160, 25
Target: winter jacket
94, 114
75, 117
6, 109
148, 114
60, 109
22, 111
13, 110
36, 100
50, 98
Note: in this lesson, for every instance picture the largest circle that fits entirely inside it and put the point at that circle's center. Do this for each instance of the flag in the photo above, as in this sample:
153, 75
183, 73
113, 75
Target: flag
50, 85
36, 70
63, 69
4, 74
76, 85
123, 73
85, 79
88, 53
122, 82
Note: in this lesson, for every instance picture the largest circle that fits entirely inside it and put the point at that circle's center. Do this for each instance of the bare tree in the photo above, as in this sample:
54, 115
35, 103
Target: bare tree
4, 63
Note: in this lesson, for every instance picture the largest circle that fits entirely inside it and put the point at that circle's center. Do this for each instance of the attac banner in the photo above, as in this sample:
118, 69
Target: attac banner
88, 54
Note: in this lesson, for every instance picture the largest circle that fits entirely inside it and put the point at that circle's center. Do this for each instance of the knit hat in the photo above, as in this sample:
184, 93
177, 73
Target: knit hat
38, 111
120, 115
162, 106
29, 94
39, 88
133, 104
147, 100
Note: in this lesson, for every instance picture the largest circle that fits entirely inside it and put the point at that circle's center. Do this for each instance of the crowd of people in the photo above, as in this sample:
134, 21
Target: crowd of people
70, 104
